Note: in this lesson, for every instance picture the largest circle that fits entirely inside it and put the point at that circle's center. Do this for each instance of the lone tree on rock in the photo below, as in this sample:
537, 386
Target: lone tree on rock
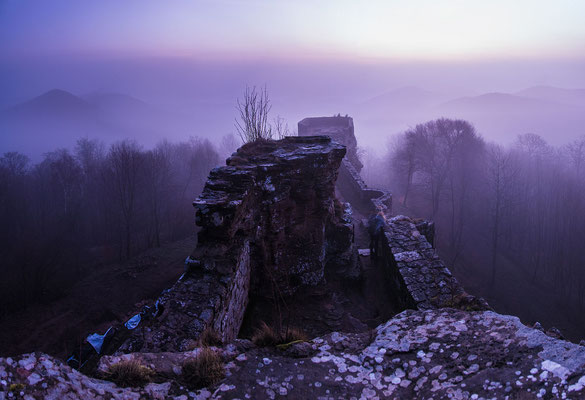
253, 123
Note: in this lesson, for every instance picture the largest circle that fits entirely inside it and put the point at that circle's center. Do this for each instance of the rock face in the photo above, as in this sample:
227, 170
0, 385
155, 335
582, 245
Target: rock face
269, 225
281, 195
418, 354
431, 354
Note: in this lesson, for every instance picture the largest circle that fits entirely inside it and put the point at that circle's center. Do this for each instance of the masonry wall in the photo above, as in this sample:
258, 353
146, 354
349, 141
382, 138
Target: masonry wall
419, 279
264, 221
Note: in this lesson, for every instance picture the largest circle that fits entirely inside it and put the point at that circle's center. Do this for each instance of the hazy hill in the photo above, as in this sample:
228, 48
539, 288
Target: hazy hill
568, 96
405, 99
555, 114
393, 112
56, 102
502, 116
497, 102
54, 119
58, 118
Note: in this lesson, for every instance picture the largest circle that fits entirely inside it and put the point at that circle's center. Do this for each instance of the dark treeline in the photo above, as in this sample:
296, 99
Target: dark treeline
78, 209
520, 207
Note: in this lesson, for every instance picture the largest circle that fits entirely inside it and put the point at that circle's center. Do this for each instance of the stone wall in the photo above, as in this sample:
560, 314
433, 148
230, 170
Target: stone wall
340, 129
353, 189
421, 279
268, 224
418, 278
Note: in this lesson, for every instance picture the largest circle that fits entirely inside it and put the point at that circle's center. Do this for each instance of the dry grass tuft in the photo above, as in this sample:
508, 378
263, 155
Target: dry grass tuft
267, 336
204, 370
209, 338
129, 373
294, 335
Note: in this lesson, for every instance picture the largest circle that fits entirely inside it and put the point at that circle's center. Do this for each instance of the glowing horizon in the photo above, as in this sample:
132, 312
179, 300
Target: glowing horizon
377, 30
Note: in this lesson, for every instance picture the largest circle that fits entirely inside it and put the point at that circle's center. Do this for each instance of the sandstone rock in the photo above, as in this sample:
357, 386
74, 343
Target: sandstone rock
422, 355
268, 224
555, 333
281, 196
417, 354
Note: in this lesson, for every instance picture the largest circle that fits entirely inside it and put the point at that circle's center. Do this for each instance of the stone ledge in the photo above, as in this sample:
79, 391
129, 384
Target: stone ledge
428, 281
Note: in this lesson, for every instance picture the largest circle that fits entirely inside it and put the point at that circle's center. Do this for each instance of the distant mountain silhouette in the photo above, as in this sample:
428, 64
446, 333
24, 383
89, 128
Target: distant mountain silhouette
58, 118
108, 102
555, 114
52, 120
567, 96
55, 102
410, 99
498, 102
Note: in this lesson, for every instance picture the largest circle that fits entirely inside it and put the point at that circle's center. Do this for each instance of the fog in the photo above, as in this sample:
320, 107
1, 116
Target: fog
70, 117
113, 113
509, 218
149, 99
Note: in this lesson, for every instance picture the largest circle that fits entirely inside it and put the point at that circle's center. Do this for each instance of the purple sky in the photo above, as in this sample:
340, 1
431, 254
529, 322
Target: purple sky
316, 57
372, 31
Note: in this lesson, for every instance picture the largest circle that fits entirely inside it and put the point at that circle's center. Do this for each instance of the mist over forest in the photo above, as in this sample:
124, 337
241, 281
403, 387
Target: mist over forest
109, 136
173, 98
106, 176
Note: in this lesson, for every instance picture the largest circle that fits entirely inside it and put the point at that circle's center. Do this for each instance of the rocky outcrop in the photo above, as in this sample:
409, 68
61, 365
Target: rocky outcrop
268, 225
431, 354
281, 196
418, 354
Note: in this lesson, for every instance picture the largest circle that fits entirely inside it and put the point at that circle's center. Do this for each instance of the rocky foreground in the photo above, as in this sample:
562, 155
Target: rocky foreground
418, 354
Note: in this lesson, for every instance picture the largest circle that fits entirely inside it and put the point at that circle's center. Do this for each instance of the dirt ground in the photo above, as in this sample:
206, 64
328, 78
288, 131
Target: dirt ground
110, 294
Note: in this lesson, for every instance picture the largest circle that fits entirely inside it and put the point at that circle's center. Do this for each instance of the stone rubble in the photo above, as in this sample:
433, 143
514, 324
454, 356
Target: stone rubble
432, 354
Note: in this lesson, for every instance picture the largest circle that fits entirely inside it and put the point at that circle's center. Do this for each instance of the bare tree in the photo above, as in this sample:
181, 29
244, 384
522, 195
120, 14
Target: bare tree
500, 176
280, 128
254, 108
124, 161
576, 152
403, 160
157, 178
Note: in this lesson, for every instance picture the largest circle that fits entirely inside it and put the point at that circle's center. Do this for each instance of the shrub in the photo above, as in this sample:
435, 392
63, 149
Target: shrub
16, 387
129, 373
203, 370
267, 336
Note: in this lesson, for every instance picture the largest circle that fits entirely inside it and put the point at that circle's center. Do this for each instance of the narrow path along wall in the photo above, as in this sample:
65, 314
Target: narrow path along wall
417, 277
